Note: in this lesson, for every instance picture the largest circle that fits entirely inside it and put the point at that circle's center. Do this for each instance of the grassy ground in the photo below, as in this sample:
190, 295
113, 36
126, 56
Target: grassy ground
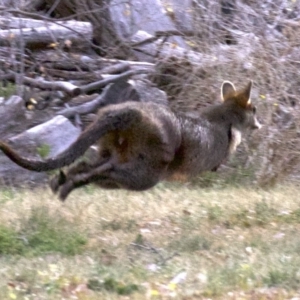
175, 241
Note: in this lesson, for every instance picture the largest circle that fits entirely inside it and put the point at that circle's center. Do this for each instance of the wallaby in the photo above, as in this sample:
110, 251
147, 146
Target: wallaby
140, 144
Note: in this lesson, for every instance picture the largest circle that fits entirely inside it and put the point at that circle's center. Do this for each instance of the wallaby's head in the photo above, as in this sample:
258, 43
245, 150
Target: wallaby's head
238, 102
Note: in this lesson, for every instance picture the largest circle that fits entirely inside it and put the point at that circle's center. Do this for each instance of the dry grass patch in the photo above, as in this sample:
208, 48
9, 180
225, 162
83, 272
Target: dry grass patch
173, 241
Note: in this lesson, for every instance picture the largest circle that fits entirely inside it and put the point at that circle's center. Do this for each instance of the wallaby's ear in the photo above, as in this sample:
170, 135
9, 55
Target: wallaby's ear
247, 92
226, 89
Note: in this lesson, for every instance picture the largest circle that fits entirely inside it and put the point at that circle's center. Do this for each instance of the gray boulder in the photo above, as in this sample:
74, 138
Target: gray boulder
45, 140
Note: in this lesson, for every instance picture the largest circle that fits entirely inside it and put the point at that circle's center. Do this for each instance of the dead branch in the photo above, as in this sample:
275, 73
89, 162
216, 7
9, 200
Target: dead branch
67, 87
110, 79
64, 86
117, 68
85, 108
72, 75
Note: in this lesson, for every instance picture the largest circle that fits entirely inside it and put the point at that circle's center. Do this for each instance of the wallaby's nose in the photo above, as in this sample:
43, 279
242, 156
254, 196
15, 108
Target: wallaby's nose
256, 124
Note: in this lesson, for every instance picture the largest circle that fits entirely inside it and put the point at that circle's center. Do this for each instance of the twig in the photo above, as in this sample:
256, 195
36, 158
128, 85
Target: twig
174, 32
163, 260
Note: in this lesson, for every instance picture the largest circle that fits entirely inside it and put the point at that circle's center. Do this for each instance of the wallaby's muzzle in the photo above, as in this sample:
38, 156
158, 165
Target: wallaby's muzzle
256, 124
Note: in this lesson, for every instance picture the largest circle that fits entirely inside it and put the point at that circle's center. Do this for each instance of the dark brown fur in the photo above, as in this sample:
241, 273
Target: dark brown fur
139, 144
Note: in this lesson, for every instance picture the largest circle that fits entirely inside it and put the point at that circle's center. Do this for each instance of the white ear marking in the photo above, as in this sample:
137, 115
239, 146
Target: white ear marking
247, 91
226, 88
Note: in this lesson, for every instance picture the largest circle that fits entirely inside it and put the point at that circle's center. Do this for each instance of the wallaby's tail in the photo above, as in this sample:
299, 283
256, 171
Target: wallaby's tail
111, 120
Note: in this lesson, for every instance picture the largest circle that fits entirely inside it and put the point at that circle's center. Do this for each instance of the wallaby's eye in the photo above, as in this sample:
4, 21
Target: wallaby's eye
141, 156
254, 109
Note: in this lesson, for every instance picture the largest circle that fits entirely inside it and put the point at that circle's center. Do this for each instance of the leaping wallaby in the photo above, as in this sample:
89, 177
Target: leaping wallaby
140, 144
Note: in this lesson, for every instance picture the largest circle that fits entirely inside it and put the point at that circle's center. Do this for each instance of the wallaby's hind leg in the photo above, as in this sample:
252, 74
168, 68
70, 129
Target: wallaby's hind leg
131, 176
61, 177
82, 178
81, 167
57, 181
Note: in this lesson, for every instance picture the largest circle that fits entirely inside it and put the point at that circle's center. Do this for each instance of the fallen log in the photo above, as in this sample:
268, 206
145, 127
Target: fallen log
33, 32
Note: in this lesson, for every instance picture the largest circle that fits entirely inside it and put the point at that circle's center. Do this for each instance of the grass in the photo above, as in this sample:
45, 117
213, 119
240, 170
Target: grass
174, 241
43, 150
7, 90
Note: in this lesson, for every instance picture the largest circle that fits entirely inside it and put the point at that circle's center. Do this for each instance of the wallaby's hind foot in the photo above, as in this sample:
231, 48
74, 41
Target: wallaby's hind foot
79, 175
61, 178
57, 180
65, 190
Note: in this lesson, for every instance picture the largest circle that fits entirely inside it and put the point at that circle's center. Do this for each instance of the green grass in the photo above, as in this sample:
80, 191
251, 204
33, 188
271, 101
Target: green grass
7, 90
10, 242
41, 233
43, 150
223, 242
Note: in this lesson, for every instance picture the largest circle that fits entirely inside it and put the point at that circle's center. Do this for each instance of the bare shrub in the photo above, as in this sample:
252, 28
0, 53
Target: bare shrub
270, 32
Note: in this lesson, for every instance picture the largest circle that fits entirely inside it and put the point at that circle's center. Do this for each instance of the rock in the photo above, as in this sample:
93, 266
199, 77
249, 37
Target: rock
183, 14
12, 116
149, 16
147, 92
47, 139
140, 90
120, 91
